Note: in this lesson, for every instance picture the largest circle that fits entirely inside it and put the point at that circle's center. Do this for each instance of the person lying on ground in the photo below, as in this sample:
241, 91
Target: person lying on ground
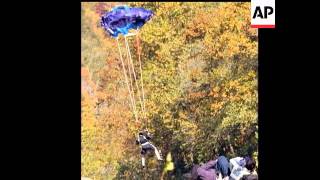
212, 170
241, 166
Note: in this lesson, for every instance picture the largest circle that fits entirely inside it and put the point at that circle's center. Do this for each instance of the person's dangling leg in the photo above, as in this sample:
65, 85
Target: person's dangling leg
143, 161
156, 152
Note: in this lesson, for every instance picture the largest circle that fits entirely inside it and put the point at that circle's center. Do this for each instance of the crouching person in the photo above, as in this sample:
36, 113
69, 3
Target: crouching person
212, 170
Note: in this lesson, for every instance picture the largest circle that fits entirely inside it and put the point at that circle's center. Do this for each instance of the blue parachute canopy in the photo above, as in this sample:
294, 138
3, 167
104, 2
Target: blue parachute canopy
123, 18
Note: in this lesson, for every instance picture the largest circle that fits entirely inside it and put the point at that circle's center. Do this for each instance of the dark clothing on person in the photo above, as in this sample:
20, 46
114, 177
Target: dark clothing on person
146, 146
143, 138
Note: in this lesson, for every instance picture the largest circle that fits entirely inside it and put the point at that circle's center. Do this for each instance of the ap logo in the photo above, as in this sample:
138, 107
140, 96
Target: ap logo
262, 14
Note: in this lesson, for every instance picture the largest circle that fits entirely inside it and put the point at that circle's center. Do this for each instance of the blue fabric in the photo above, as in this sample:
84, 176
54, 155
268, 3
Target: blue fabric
242, 162
223, 166
123, 18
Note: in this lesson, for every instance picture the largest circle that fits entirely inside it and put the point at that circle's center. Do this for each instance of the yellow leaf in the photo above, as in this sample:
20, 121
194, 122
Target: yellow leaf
169, 166
169, 158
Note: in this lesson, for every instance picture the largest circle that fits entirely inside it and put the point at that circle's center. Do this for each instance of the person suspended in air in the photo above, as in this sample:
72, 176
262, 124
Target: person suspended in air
143, 140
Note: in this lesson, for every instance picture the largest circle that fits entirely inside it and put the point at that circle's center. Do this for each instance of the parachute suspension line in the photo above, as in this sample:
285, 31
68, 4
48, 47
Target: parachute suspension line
134, 74
141, 79
112, 23
126, 78
130, 78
